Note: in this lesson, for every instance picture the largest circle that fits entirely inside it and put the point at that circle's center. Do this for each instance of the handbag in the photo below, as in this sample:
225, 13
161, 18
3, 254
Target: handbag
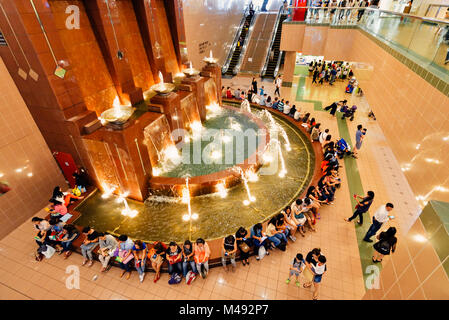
244, 247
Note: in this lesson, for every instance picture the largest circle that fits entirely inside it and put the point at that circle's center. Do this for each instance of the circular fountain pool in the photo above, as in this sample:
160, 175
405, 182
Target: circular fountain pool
160, 217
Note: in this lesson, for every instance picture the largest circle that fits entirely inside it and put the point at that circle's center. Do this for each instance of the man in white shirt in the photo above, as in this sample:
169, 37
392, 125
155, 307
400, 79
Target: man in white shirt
287, 108
323, 135
381, 216
278, 83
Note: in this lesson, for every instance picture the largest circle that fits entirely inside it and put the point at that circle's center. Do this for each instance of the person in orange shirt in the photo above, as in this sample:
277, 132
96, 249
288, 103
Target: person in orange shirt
201, 256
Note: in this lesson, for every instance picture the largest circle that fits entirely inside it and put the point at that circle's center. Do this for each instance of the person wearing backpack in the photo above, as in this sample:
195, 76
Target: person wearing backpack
386, 244
381, 216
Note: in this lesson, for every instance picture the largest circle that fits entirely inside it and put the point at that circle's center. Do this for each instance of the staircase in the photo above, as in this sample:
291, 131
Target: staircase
271, 67
238, 49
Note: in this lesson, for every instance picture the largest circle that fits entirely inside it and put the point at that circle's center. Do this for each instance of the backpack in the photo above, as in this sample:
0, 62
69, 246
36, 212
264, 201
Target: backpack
174, 279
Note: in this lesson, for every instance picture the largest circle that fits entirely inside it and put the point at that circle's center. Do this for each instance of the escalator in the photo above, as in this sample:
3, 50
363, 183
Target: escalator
238, 45
272, 65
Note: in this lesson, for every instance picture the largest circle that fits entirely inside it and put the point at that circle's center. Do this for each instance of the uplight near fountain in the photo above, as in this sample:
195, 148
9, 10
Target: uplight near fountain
163, 88
116, 116
210, 59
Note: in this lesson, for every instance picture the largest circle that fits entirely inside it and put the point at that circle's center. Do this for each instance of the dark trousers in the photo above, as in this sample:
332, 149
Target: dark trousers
277, 91
360, 14
126, 266
358, 213
175, 267
373, 229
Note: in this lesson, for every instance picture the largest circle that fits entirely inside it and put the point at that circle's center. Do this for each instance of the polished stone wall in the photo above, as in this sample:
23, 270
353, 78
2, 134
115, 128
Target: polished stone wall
26, 163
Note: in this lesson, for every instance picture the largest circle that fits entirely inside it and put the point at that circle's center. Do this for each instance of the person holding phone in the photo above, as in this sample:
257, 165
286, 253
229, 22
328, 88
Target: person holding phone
381, 216
361, 206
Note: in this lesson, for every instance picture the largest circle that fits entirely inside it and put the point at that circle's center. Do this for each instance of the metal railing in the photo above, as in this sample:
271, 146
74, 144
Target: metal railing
225, 66
278, 64
438, 8
273, 37
245, 44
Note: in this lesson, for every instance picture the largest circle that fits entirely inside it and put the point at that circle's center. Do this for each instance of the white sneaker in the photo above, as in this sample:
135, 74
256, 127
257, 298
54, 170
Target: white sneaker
141, 276
292, 238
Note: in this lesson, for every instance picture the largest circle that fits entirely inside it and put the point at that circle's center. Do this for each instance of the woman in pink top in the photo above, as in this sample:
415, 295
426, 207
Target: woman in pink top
57, 208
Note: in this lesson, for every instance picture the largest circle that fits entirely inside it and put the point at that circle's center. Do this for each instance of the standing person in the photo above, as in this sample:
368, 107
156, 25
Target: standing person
311, 260
228, 250
250, 96
362, 206
201, 255
244, 244
298, 265
107, 247
363, 4
318, 271
316, 73
333, 76
125, 245
342, 4
358, 140
322, 75
278, 83
381, 216
254, 85
89, 244
385, 245
140, 258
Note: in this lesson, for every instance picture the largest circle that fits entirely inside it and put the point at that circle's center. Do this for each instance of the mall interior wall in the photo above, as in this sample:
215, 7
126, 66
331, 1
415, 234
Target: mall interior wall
26, 164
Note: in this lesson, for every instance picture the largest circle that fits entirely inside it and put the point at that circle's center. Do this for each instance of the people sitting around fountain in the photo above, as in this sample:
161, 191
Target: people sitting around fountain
81, 180
244, 244
108, 244
228, 93
260, 242
262, 91
292, 111
292, 223
89, 244
125, 255
315, 134
263, 100
140, 258
242, 95
297, 114
269, 102
69, 234
299, 216
316, 195
309, 211
223, 92
326, 187
65, 197
56, 232
310, 124
327, 141
280, 105
228, 251
282, 225
250, 95
323, 136
157, 256
287, 108
275, 103
237, 93
201, 255
174, 258
43, 227
57, 208
277, 237
188, 261
305, 118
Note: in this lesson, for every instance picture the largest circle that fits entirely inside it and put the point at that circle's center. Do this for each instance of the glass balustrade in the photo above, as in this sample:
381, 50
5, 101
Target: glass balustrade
423, 40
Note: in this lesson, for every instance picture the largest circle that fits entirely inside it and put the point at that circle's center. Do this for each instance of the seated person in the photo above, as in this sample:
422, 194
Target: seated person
69, 234
157, 255
244, 244
343, 149
228, 251
57, 209
89, 244
201, 256
277, 237
188, 259
108, 243
297, 114
140, 258
259, 239
174, 258
125, 245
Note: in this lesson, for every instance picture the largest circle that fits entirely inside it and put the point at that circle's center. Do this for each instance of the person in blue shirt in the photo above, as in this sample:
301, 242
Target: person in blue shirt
262, 91
259, 239
297, 266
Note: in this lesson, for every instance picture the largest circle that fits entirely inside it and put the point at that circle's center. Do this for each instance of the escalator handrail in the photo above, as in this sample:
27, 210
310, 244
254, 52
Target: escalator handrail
273, 37
245, 43
278, 64
225, 67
